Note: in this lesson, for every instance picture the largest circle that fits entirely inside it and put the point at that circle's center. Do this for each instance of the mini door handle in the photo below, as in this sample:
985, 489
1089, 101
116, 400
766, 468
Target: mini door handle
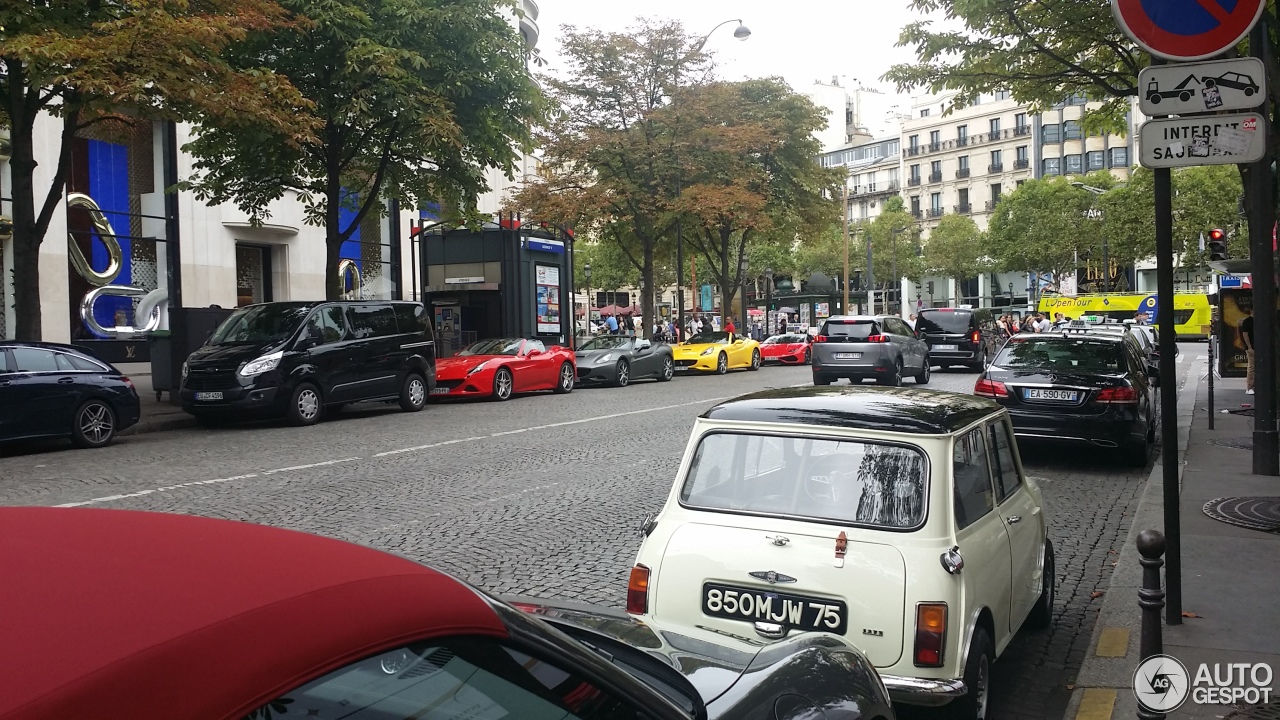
1015, 519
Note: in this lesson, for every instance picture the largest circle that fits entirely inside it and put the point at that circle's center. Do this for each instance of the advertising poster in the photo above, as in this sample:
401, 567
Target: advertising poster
804, 315
547, 285
704, 298
822, 310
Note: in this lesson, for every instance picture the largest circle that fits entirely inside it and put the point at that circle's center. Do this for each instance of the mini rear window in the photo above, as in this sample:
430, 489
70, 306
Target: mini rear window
856, 329
944, 322
1073, 354
841, 481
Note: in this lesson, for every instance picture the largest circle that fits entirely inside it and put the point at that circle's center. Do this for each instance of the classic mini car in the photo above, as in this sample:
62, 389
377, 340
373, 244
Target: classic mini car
619, 359
900, 519
49, 391
186, 618
717, 352
500, 367
788, 349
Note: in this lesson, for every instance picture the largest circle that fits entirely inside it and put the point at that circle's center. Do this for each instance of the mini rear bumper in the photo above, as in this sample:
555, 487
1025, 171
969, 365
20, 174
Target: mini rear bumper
930, 692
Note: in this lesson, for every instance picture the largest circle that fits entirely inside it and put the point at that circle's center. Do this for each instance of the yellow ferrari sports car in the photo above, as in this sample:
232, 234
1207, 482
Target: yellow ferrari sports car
717, 352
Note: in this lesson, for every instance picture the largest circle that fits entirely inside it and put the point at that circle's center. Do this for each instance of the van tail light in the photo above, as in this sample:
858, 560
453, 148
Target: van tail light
931, 634
638, 591
990, 388
974, 336
819, 338
1118, 396
878, 338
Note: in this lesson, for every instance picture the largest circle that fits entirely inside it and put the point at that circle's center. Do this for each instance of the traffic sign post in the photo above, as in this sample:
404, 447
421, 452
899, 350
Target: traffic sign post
1184, 30
1202, 140
1237, 84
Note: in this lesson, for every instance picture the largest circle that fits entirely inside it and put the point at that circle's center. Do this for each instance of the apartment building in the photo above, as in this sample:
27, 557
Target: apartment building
1064, 148
874, 173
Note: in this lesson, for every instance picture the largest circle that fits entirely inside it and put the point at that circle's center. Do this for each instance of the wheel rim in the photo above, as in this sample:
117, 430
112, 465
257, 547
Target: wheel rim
502, 384
95, 423
623, 374
566, 377
1049, 583
417, 392
667, 368
755, 358
722, 363
927, 370
308, 404
980, 687
897, 374
806, 356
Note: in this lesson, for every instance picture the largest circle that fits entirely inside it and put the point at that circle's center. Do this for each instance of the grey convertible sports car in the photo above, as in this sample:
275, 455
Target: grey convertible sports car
619, 359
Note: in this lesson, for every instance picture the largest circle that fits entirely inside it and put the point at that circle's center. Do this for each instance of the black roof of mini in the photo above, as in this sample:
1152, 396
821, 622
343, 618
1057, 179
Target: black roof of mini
904, 410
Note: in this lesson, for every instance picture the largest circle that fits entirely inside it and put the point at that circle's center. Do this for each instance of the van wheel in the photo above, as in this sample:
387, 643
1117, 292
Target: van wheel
567, 379
95, 425
305, 405
1042, 612
975, 704
413, 395
922, 378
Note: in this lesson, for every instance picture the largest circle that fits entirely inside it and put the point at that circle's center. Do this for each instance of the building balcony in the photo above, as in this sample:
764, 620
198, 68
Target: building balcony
912, 151
962, 173
935, 177
991, 205
935, 147
935, 212
1022, 130
915, 213
995, 167
913, 180
1021, 164
962, 140
964, 208
529, 23
893, 186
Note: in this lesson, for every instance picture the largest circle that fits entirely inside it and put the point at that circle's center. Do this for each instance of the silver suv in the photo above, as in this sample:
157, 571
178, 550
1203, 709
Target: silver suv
861, 346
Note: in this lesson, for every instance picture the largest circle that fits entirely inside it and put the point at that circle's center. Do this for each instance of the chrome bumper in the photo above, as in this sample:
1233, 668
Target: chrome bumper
922, 691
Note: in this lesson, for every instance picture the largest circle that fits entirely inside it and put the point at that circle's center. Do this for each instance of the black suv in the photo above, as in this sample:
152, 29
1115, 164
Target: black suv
959, 336
1079, 385
301, 358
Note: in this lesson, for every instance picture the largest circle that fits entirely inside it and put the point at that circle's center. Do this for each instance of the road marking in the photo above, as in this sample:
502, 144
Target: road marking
311, 465
1113, 642
432, 445
1096, 704
140, 493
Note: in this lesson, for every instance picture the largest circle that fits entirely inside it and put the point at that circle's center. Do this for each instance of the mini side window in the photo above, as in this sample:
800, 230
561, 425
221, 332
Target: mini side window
462, 677
1006, 470
971, 472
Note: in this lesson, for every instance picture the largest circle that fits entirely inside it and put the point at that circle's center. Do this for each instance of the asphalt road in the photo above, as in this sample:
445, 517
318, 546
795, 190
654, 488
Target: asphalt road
541, 495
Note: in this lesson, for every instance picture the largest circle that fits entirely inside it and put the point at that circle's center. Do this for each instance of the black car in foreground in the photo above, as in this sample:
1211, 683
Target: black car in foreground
1076, 385
49, 390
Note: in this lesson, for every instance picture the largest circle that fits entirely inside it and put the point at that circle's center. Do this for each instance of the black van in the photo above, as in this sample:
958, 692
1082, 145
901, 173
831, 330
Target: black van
300, 359
959, 336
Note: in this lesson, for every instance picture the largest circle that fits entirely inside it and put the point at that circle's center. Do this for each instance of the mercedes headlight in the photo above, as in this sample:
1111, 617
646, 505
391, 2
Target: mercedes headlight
604, 358
708, 351
184, 370
477, 368
266, 363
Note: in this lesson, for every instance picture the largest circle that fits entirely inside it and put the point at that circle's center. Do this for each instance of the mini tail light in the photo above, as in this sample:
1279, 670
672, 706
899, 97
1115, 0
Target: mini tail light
931, 634
878, 338
990, 388
638, 590
1118, 395
819, 338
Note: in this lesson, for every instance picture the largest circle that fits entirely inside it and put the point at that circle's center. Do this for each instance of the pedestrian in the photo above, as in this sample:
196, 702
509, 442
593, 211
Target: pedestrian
912, 321
1042, 323
1059, 318
611, 324
1246, 336
728, 325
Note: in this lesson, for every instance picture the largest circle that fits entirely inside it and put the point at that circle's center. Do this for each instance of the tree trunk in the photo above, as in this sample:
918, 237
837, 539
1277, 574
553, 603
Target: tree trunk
647, 308
26, 235
727, 285
334, 284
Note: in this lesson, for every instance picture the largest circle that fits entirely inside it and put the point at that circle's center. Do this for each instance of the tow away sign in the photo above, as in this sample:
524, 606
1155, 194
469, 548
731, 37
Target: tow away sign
1180, 89
1208, 140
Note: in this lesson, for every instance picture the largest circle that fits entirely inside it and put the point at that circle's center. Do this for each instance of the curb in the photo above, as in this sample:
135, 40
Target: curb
1103, 686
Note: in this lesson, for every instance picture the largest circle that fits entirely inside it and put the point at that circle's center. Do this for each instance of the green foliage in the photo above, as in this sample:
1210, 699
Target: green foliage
1039, 227
1204, 198
895, 238
955, 249
610, 269
414, 100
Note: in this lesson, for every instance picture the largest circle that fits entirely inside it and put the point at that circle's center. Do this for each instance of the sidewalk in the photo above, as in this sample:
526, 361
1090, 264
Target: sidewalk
156, 414
1228, 573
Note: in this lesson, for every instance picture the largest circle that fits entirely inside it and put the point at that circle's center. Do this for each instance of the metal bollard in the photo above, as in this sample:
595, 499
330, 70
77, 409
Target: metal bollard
1151, 600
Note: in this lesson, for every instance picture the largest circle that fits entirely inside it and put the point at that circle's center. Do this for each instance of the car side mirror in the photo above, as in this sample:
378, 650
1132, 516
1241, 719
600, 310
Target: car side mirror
643, 345
306, 342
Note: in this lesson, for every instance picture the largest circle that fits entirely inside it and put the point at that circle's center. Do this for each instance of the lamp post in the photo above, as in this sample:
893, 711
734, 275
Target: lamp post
768, 301
646, 324
897, 281
742, 280
742, 32
1106, 262
586, 272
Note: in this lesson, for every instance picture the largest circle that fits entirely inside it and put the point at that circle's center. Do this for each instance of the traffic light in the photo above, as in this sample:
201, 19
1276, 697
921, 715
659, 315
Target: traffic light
1217, 245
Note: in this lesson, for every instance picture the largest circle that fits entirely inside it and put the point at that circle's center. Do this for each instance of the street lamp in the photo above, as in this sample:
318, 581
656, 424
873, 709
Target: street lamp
742, 280
742, 33
768, 300
586, 271
1106, 262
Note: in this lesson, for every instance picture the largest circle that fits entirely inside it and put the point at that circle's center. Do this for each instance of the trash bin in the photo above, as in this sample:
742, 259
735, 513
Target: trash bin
160, 347
190, 327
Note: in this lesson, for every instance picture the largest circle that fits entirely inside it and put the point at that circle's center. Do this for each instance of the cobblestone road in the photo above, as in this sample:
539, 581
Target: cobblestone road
540, 495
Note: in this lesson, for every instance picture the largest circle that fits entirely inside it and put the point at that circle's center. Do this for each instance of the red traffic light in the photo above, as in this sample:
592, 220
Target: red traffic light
1216, 234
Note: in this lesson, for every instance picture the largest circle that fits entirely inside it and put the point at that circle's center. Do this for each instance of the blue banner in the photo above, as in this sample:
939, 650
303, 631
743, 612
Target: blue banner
706, 304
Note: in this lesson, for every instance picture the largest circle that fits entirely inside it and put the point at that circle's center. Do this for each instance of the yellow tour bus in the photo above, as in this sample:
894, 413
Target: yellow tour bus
1192, 315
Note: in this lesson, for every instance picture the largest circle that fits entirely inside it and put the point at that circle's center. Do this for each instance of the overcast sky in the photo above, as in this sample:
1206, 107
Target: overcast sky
800, 40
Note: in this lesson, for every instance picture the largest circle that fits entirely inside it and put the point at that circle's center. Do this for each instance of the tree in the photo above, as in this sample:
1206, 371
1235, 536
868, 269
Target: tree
87, 63
956, 249
895, 240
610, 269
414, 101
1204, 198
1037, 227
747, 152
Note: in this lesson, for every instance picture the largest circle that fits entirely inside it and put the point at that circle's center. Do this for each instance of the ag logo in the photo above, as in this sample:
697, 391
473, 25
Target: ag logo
1161, 683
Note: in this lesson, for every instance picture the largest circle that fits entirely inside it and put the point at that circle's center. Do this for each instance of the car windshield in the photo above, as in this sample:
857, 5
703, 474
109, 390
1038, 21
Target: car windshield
842, 481
1073, 354
497, 346
943, 322
605, 342
708, 338
259, 324
856, 329
784, 340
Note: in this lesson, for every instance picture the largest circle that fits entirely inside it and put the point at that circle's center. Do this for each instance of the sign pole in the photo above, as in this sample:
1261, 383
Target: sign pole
1266, 447
845, 308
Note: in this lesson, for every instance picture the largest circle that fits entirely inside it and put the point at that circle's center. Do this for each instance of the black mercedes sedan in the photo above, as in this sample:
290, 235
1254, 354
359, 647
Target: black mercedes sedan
1076, 385
49, 390
618, 359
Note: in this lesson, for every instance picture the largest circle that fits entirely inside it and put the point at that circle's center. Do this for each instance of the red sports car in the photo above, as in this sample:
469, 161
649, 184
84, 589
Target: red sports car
788, 349
501, 367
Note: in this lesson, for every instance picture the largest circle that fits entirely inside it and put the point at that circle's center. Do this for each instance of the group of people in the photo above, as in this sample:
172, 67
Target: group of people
670, 331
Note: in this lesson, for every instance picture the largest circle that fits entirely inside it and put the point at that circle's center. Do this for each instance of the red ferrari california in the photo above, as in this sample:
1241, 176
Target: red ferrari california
788, 349
501, 367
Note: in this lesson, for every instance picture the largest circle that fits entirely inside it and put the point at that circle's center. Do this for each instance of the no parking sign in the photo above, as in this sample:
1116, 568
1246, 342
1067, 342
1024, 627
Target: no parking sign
1187, 29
